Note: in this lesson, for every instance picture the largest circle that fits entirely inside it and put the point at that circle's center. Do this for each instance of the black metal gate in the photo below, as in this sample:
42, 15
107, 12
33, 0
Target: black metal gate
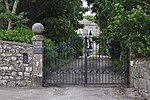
83, 61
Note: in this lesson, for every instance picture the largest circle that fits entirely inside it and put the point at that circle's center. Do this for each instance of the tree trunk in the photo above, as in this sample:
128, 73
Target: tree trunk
9, 24
15, 6
13, 12
7, 5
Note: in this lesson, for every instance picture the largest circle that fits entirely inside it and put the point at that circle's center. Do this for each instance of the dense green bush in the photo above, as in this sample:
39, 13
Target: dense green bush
139, 34
102, 42
59, 29
126, 21
118, 66
114, 48
17, 35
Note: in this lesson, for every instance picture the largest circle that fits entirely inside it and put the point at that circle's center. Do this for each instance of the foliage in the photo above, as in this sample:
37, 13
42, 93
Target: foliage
18, 20
8, 16
90, 18
102, 45
125, 21
58, 29
18, 35
60, 54
71, 10
76, 43
114, 48
117, 65
139, 35
131, 28
60, 17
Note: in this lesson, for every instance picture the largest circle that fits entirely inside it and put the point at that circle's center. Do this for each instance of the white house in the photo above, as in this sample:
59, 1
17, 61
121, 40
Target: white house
88, 26
89, 30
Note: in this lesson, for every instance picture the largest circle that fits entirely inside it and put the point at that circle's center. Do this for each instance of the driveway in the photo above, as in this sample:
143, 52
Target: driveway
69, 93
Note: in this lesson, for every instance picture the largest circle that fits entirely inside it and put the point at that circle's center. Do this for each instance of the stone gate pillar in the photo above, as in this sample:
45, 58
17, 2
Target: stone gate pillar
38, 46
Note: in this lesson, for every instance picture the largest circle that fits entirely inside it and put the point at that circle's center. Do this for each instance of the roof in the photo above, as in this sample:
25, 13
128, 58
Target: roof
86, 22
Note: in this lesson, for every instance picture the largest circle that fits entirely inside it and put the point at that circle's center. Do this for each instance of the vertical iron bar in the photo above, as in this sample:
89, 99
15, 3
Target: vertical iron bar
73, 61
79, 61
78, 65
107, 62
44, 69
128, 64
66, 65
111, 70
99, 66
102, 62
85, 61
69, 61
74, 67
56, 63
96, 70
50, 60
60, 70
106, 69
63, 69
93, 67
82, 69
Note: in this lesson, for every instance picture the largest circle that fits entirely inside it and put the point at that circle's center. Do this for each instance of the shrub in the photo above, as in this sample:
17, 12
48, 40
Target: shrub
17, 35
117, 65
114, 48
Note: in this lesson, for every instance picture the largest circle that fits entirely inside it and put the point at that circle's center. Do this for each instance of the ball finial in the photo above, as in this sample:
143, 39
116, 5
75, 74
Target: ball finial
38, 28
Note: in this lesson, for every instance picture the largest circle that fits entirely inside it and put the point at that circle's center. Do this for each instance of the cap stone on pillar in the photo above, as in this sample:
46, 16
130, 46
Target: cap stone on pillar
38, 28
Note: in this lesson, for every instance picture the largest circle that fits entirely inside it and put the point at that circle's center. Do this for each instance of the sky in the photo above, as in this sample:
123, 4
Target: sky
85, 5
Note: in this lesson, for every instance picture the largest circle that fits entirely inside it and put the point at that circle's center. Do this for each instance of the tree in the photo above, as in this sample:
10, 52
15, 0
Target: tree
59, 29
12, 12
125, 21
41, 9
60, 17
8, 14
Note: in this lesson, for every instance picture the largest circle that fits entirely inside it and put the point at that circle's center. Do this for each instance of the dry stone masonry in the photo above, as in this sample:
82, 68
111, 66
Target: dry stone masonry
16, 64
21, 64
140, 76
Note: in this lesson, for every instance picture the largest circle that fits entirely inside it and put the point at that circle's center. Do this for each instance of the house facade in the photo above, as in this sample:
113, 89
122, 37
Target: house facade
89, 30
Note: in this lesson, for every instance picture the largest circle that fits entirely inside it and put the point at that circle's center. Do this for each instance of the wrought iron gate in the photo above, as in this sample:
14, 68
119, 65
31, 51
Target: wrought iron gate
83, 61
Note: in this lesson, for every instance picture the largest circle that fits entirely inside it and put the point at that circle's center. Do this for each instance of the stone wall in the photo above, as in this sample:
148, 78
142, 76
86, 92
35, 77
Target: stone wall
140, 76
13, 70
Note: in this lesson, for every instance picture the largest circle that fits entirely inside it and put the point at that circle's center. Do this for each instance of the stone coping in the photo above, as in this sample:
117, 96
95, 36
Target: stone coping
16, 43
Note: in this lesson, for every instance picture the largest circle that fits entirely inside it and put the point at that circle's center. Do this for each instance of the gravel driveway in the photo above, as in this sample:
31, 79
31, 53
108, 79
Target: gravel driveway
69, 93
